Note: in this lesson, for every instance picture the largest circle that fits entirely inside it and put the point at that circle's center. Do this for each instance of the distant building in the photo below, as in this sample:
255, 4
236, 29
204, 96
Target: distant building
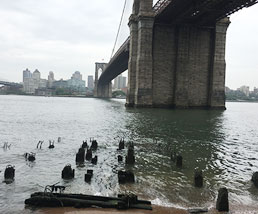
245, 90
255, 90
124, 82
51, 79
26, 74
76, 81
120, 82
28, 83
90, 82
60, 84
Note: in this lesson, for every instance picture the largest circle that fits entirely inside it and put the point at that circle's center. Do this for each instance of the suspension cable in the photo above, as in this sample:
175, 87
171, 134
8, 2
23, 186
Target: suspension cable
118, 29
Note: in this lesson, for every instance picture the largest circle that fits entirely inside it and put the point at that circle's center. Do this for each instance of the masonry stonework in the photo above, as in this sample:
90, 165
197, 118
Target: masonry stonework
181, 66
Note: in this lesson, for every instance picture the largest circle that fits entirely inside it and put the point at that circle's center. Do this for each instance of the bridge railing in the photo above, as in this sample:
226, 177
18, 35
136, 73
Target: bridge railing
160, 6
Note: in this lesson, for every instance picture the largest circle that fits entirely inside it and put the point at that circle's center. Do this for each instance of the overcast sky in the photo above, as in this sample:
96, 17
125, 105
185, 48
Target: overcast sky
68, 35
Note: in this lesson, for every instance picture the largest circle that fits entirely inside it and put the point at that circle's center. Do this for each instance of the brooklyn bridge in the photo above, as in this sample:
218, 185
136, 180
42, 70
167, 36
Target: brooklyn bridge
175, 54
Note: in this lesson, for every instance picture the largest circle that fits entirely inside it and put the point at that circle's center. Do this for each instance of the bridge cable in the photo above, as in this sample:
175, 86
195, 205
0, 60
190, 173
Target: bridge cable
118, 29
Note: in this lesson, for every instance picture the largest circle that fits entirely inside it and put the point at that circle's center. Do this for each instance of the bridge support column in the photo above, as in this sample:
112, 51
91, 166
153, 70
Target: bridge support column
218, 65
103, 91
144, 62
133, 25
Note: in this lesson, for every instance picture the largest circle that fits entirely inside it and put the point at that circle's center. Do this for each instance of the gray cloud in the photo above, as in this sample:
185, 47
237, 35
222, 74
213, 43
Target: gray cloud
68, 35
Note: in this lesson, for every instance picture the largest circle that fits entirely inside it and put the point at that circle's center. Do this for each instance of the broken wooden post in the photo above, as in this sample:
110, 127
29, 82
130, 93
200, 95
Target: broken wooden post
89, 154
88, 175
51, 144
120, 158
80, 156
94, 145
130, 158
9, 172
222, 200
179, 161
68, 172
255, 179
121, 144
198, 178
94, 160
125, 177
84, 144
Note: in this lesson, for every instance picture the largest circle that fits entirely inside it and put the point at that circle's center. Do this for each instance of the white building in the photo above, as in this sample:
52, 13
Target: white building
32, 81
120, 82
245, 90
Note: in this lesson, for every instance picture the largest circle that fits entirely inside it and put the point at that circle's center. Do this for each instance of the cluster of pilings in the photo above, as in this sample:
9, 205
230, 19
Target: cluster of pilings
85, 153
126, 176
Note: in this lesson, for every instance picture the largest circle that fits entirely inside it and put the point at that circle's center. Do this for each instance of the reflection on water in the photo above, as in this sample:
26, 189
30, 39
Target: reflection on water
221, 143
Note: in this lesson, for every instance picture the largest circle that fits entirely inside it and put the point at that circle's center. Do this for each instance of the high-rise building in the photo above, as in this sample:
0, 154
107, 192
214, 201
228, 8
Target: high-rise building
244, 89
120, 82
76, 81
51, 79
90, 82
26, 74
77, 75
124, 82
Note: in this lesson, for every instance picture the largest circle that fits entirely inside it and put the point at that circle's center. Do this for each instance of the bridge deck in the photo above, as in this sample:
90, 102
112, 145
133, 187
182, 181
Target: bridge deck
197, 12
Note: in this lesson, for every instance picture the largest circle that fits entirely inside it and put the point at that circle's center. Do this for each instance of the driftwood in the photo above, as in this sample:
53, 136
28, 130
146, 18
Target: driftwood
43, 199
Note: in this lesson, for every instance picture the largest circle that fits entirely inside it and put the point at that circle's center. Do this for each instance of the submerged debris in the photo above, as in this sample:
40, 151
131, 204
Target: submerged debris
30, 156
50, 199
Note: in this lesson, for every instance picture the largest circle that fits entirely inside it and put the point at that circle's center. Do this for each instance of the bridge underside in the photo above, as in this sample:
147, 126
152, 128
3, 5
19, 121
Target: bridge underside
201, 12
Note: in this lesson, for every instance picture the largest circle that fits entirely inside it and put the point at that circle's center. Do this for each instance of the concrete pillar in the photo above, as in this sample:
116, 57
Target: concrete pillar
144, 63
133, 25
218, 65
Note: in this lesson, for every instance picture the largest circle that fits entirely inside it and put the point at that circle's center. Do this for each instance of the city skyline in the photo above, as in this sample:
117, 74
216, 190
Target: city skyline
41, 35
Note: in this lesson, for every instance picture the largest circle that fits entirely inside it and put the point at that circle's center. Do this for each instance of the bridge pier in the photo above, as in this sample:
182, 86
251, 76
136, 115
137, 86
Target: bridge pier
101, 91
133, 25
180, 65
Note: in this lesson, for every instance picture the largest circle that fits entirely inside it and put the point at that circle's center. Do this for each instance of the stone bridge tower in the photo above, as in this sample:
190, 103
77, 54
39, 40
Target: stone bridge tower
104, 91
179, 65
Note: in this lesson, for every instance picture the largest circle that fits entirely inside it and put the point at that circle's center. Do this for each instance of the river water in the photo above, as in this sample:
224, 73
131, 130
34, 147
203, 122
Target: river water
224, 144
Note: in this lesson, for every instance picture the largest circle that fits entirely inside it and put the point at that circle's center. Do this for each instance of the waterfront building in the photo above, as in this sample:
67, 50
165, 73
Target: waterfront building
60, 84
76, 81
245, 90
90, 82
